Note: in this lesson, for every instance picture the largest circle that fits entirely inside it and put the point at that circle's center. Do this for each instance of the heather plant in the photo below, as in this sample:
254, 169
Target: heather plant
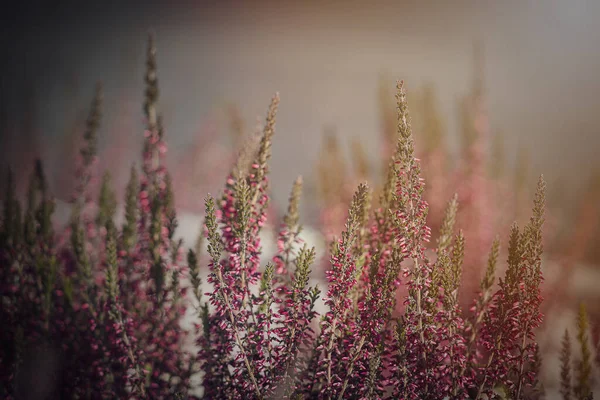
106, 301
361, 349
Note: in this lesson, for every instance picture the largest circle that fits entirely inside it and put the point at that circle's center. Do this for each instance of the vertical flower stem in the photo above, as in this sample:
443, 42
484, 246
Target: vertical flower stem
522, 363
237, 336
420, 313
351, 367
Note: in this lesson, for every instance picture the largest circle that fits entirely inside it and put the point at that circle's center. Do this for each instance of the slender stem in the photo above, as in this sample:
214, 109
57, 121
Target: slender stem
237, 337
292, 349
329, 348
487, 367
351, 367
520, 377
245, 284
480, 390
420, 313
480, 312
130, 354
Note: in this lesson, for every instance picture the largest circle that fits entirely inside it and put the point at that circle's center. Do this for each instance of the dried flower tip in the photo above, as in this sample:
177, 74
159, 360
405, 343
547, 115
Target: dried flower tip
303, 262
447, 228
264, 151
292, 216
92, 124
388, 192
246, 155
242, 207
488, 280
196, 281
405, 147
357, 208
107, 202
458, 256
151, 79
215, 246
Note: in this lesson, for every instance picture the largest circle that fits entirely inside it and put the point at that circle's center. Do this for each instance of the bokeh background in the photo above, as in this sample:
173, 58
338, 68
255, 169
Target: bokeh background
324, 57
535, 63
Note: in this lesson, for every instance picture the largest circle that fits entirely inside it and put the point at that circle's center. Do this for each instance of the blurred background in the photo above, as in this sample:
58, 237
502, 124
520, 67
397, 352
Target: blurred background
500, 92
324, 57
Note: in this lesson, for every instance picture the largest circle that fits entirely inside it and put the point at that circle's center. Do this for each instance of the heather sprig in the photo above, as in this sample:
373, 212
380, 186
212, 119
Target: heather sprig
515, 313
341, 277
90, 150
84, 174
195, 280
241, 216
452, 320
530, 305
446, 230
289, 235
107, 203
296, 312
481, 305
566, 388
83, 231
122, 328
223, 298
412, 234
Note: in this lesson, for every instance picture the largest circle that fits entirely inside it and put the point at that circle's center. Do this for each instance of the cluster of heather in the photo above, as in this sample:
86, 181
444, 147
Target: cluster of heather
489, 204
104, 301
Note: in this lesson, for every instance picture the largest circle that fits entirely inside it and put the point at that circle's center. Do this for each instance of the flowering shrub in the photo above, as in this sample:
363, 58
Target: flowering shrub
106, 301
